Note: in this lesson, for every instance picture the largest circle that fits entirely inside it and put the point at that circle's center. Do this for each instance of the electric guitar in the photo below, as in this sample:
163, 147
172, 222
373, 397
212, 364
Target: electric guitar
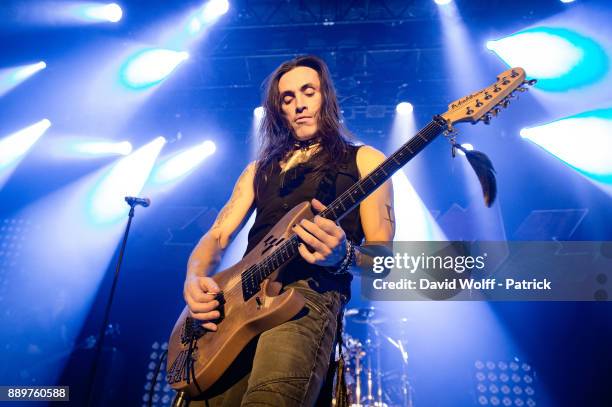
251, 301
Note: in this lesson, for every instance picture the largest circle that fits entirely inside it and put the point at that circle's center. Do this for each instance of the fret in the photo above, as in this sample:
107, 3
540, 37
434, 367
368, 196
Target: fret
331, 209
396, 161
345, 203
369, 178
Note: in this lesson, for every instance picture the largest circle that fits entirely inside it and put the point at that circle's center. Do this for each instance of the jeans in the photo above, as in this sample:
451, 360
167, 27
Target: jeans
288, 364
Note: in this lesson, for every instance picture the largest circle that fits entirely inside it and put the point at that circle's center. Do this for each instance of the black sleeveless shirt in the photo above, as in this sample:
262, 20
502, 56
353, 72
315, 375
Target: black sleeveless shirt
281, 192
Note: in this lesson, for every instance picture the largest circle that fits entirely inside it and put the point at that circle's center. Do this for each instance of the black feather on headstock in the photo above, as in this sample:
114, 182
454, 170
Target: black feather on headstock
483, 167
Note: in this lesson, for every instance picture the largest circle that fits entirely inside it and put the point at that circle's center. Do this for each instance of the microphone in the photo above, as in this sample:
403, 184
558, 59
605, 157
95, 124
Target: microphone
133, 201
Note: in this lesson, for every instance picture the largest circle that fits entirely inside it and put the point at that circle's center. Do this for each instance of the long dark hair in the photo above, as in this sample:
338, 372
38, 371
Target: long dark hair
276, 133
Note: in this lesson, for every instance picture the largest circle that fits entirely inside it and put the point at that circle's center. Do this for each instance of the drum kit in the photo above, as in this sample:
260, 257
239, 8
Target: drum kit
372, 381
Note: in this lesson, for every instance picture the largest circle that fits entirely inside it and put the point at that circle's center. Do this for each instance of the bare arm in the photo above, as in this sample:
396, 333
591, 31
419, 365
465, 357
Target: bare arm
199, 289
376, 211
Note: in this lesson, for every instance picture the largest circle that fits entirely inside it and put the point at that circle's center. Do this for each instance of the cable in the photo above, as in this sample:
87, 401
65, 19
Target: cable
154, 382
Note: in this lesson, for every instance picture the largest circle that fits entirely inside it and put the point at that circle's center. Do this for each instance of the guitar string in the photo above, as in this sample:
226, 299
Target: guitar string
430, 130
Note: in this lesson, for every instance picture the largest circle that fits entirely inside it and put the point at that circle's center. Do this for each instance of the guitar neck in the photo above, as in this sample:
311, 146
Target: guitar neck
341, 206
353, 196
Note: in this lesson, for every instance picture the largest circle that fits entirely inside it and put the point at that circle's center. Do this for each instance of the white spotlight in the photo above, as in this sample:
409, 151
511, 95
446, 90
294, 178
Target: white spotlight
113, 12
404, 108
567, 1
259, 112
150, 66
442, 2
28, 71
14, 146
195, 25
467, 146
126, 177
182, 163
104, 148
208, 148
97, 12
214, 9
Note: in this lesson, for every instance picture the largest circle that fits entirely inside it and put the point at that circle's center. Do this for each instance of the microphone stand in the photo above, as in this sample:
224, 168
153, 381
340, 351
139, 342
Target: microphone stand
101, 334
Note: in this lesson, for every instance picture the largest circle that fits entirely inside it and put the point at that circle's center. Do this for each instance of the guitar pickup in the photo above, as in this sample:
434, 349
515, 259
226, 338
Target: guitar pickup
221, 298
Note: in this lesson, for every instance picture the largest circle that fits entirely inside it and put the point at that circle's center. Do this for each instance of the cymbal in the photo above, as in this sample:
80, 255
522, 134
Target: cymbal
367, 315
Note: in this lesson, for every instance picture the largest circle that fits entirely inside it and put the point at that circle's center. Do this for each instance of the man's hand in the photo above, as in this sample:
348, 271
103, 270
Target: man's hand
200, 294
323, 236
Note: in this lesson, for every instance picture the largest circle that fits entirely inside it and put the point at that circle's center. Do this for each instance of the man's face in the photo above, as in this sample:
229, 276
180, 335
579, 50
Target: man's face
300, 91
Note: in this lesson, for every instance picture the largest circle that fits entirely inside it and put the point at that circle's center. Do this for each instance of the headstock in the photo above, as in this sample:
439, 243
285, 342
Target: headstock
488, 102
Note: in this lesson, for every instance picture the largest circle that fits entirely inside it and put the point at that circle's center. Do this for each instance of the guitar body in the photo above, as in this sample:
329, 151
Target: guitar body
240, 320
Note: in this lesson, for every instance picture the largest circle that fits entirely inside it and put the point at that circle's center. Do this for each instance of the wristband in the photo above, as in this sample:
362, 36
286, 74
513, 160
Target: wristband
348, 259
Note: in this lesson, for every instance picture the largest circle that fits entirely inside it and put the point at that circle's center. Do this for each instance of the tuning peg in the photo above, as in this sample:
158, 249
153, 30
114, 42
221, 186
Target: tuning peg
496, 110
531, 82
505, 81
513, 74
505, 103
486, 119
522, 89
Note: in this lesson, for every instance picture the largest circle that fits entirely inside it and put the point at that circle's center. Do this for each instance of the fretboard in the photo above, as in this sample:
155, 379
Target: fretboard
341, 206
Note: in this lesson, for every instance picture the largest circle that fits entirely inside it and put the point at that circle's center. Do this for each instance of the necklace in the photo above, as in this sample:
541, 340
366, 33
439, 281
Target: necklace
301, 153
305, 144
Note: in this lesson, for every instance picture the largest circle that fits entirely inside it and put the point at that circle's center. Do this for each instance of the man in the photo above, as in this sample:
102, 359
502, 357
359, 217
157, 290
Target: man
305, 156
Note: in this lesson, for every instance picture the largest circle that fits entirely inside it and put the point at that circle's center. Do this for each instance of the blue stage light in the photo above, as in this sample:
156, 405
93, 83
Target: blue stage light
404, 108
214, 9
126, 178
182, 163
28, 70
559, 58
195, 25
96, 12
15, 146
150, 66
583, 141
103, 148
11, 77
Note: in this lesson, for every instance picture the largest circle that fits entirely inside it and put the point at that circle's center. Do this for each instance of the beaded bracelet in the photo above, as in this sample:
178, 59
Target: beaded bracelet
348, 259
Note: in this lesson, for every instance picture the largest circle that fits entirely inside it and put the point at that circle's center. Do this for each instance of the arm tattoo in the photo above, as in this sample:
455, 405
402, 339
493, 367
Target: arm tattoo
232, 202
390, 215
